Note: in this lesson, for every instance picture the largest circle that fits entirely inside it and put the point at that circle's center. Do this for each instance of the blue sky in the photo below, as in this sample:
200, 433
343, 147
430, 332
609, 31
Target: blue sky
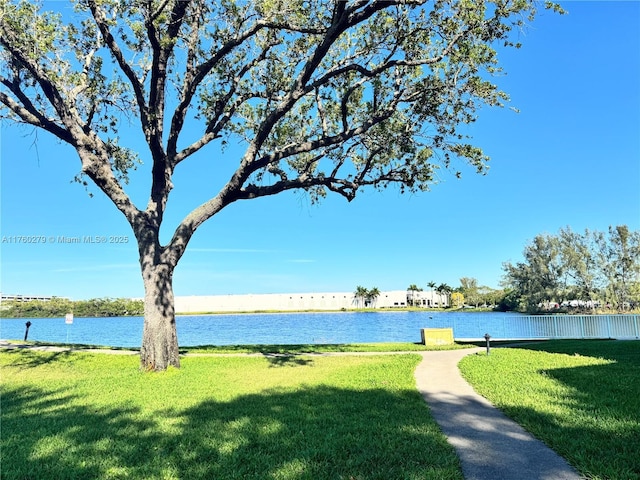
570, 157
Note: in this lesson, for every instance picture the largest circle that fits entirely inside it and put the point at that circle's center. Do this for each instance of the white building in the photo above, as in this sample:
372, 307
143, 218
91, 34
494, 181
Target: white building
300, 301
430, 299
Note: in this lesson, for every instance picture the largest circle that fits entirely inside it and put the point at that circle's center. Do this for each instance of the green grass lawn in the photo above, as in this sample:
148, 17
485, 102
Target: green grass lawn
94, 416
582, 398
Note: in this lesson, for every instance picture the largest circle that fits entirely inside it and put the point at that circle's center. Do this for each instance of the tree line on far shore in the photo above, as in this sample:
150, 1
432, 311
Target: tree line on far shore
589, 271
59, 307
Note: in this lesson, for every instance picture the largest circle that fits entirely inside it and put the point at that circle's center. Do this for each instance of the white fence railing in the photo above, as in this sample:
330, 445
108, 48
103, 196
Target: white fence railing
471, 326
572, 326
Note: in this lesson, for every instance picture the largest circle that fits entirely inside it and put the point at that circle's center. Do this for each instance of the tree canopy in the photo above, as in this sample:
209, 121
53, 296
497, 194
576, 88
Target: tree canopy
584, 268
326, 96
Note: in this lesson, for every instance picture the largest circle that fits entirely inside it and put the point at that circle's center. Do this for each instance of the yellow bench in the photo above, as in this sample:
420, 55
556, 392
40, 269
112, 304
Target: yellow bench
437, 336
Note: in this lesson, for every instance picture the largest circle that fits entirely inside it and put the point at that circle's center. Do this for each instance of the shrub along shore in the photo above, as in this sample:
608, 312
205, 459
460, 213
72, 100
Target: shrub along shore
59, 307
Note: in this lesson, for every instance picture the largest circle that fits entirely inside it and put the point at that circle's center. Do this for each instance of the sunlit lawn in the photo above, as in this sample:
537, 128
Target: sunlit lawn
95, 416
582, 398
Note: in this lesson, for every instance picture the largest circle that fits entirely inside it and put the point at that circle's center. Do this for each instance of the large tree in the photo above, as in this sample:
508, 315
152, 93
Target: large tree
470, 290
537, 279
578, 254
572, 266
618, 255
323, 96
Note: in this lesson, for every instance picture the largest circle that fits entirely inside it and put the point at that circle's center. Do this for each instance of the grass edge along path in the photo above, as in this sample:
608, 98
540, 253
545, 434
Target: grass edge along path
73, 415
581, 398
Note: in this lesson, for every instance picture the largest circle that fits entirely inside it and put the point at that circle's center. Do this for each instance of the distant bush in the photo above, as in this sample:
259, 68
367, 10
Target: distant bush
59, 307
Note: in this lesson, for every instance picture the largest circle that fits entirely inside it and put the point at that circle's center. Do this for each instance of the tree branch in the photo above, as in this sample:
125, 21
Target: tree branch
193, 79
162, 48
10, 42
91, 150
29, 113
347, 18
112, 45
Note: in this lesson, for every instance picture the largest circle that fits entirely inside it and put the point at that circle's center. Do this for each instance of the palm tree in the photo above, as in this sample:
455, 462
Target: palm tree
372, 295
412, 289
444, 289
360, 294
432, 286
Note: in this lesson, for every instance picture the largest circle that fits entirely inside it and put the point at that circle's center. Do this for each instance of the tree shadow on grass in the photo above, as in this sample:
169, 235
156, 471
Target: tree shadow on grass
259, 348
602, 439
606, 399
27, 358
287, 360
312, 433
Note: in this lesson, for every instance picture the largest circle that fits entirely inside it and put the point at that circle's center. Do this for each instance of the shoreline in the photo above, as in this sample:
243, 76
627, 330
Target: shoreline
354, 310
277, 312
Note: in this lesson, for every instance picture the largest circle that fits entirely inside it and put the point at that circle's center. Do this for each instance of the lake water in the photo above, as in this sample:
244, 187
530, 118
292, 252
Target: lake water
253, 329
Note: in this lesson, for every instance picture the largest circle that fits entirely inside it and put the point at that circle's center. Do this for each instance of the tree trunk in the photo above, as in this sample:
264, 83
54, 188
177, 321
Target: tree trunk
159, 336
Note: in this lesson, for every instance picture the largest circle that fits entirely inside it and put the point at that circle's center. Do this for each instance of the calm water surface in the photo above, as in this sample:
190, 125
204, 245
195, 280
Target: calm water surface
252, 329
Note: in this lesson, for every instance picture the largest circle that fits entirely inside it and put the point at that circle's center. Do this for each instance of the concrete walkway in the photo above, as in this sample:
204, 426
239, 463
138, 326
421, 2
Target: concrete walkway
490, 445
14, 345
